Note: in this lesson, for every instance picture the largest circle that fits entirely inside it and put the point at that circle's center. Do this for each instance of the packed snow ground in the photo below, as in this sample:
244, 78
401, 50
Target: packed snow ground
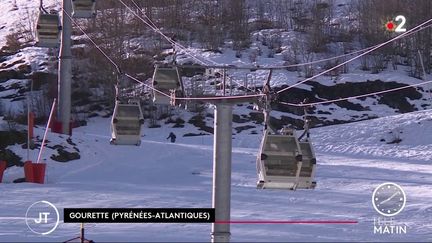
16, 15
352, 161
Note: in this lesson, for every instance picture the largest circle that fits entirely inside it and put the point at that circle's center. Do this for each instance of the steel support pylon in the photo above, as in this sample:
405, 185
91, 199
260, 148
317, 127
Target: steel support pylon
65, 70
222, 172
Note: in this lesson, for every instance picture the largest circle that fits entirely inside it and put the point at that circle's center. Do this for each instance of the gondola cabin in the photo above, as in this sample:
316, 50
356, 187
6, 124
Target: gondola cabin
279, 163
84, 8
48, 30
126, 123
166, 80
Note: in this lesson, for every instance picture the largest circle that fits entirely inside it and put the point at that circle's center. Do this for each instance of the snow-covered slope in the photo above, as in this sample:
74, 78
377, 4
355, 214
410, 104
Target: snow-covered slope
351, 163
16, 15
352, 160
23, 14
375, 137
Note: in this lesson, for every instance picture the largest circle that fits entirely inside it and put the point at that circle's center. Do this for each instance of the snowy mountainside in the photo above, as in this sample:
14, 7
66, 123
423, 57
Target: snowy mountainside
16, 14
352, 158
378, 137
352, 161
24, 65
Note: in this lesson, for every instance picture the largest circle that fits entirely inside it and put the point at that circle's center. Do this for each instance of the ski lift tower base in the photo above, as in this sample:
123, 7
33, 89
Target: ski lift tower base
222, 158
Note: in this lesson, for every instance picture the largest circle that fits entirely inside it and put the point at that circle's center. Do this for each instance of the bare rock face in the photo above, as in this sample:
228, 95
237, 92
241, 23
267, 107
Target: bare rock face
65, 156
8, 138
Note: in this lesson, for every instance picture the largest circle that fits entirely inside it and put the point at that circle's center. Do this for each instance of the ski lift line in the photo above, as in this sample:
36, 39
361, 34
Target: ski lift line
159, 32
222, 97
258, 67
300, 64
156, 90
355, 97
106, 56
182, 47
146, 85
94, 43
145, 15
137, 80
153, 26
293, 65
212, 98
196, 98
340, 56
356, 57
156, 29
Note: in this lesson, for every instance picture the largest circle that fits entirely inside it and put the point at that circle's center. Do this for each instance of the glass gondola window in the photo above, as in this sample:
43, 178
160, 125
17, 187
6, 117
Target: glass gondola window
125, 127
129, 111
280, 144
309, 160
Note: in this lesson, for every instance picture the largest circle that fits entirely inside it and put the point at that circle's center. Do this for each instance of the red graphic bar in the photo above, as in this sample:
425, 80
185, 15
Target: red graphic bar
288, 222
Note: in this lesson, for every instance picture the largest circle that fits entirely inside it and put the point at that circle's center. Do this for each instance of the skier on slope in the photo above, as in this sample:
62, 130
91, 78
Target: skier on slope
172, 136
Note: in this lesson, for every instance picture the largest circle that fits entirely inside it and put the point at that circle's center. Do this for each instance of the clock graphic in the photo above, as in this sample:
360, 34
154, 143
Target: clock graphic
389, 199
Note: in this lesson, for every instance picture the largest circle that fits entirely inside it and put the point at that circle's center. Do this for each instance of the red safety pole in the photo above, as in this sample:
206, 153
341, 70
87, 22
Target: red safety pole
2, 169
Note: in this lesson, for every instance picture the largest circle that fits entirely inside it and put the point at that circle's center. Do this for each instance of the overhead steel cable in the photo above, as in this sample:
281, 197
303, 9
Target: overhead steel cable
143, 83
356, 57
153, 26
260, 95
106, 55
366, 50
158, 31
356, 96
148, 86
94, 43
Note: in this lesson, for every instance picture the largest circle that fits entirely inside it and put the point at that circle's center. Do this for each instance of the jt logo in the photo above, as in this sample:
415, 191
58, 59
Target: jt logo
42, 217
45, 218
